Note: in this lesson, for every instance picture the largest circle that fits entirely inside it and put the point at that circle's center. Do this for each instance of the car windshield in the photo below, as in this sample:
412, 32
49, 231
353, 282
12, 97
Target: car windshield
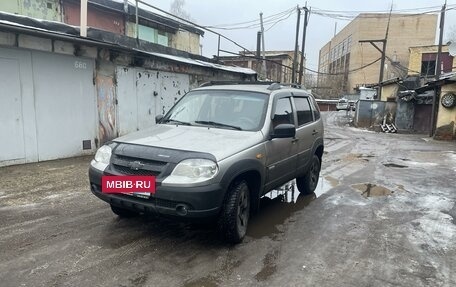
239, 110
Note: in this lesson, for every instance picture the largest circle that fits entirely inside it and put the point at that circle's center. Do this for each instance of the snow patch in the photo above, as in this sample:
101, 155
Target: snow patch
339, 199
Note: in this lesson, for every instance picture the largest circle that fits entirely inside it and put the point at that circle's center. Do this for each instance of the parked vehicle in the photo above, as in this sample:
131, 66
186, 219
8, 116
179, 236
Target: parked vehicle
342, 104
216, 152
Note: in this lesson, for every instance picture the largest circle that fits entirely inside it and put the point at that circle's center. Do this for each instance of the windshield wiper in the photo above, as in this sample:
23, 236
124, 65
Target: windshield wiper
177, 122
218, 124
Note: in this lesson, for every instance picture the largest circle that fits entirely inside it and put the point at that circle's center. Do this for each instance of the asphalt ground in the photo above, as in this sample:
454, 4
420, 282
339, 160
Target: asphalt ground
383, 214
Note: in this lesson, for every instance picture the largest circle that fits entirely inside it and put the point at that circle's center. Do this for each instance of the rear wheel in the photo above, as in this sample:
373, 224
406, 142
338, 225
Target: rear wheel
122, 212
306, 184
235, 214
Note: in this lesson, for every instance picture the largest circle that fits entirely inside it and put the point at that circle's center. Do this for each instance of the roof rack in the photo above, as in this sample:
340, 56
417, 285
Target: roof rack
277, 86
272, 85
212, 83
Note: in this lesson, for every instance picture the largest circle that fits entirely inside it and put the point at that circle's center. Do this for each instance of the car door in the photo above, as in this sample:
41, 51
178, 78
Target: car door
307, 130
281, 152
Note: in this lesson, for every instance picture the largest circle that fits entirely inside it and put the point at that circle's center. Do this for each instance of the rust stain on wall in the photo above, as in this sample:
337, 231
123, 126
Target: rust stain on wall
106, 108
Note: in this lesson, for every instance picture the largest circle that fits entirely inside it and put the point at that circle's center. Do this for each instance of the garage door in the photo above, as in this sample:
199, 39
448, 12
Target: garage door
65, 105
143, 94
11, 122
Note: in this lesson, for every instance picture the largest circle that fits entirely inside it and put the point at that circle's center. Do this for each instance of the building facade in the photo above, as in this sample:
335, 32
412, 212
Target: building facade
64, 95
345, 63
278, 64
423, 59
113, 16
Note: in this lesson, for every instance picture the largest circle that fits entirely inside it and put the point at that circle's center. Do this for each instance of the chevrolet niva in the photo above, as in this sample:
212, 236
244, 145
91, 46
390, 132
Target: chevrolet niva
217, 151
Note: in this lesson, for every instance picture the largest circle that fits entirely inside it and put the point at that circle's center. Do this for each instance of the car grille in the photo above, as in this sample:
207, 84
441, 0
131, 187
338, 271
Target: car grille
128, 171
136, 166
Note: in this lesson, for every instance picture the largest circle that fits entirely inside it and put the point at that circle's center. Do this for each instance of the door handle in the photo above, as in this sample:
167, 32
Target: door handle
294, 140
314, 132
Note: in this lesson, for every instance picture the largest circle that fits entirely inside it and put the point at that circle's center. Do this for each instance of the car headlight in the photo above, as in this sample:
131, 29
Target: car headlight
192, 171
102, 157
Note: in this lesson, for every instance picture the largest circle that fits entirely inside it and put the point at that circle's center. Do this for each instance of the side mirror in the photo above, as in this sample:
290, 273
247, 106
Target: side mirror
158, 118
284, 131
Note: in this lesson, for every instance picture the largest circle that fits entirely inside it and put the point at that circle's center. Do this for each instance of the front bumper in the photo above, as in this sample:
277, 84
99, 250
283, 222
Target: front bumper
199, 202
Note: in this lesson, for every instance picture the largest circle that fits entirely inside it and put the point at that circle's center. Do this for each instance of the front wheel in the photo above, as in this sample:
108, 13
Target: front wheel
235, 212
308, 183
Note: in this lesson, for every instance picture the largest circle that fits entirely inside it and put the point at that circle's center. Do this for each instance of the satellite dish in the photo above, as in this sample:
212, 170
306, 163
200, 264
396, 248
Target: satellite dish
452, 49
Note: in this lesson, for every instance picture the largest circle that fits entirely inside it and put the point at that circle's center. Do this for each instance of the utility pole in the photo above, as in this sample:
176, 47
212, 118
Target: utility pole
295, 59
438, 71
383, 53
265, 73
438, 68
303, 47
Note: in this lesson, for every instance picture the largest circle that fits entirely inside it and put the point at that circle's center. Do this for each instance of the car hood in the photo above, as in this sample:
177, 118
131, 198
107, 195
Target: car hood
221, 143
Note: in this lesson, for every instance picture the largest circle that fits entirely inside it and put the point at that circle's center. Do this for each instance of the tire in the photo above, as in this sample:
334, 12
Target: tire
235, 213
122, 212
306, 184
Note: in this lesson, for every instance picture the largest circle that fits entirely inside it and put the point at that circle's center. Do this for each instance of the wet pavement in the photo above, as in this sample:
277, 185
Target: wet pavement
383, 214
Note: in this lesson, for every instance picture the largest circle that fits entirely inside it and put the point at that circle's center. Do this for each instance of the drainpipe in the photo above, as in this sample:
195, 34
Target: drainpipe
83, 20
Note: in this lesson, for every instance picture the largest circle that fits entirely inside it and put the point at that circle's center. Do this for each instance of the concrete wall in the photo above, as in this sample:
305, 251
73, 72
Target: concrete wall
446, 118
41, 9
389, 91
185, 41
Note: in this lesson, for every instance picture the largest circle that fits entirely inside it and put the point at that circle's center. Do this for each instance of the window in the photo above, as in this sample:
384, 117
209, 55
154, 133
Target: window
315, 110
303, 110
283, 113
428, 68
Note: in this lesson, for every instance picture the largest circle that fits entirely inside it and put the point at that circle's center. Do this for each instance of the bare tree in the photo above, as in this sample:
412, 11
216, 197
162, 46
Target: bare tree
177, 8
451, 34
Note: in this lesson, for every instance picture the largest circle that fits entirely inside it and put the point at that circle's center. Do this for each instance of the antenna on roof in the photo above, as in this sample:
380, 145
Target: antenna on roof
452, 49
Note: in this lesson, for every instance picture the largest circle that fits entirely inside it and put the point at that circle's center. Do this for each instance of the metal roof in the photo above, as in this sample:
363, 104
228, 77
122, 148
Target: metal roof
61, 31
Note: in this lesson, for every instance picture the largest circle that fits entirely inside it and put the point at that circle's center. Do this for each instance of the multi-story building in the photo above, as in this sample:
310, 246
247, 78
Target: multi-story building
345, 63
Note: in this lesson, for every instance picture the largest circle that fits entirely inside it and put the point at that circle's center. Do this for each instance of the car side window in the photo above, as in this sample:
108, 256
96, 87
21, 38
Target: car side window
283, 112
303, 110
315, 109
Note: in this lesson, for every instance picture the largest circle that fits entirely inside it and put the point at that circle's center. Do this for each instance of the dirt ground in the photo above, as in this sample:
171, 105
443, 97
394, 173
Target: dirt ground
384, 214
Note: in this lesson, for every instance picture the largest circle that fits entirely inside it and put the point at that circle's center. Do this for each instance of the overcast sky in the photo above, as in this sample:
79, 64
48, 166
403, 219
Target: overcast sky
282, 35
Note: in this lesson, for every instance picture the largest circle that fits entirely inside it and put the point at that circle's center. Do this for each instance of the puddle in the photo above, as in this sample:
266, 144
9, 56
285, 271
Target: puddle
269, 266
371, 190
279, 204
395, 165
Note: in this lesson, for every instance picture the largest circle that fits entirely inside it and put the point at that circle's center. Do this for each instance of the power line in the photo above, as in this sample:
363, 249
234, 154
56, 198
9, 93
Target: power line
254, 23
310, 70
194, 24
347, 72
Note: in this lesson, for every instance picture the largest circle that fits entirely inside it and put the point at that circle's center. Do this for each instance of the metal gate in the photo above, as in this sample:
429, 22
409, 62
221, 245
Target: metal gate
47, 106
143, 94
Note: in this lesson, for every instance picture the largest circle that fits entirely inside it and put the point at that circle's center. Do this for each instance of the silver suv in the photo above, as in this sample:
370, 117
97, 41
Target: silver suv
216, 153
